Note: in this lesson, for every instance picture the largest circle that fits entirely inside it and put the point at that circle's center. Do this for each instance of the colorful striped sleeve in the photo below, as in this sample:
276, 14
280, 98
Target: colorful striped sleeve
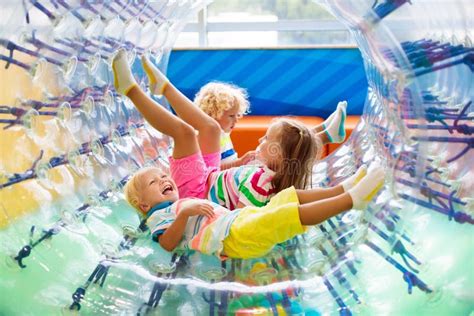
256, 187
159, 221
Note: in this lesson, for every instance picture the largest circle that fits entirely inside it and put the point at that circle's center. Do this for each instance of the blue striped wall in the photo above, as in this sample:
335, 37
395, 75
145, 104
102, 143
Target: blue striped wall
279, 81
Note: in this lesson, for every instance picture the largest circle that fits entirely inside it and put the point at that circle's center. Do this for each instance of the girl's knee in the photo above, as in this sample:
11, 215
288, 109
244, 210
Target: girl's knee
186, 131
210, 127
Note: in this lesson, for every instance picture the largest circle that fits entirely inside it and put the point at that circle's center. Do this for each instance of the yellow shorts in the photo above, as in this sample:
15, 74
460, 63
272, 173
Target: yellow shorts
256, 230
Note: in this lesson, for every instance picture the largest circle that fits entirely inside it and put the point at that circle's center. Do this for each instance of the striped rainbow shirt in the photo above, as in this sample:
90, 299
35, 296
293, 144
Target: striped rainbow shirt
248, 184
201, 233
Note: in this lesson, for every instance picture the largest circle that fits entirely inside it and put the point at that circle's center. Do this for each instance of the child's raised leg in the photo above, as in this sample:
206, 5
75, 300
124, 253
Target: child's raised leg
184, 135
313, 213
209, 130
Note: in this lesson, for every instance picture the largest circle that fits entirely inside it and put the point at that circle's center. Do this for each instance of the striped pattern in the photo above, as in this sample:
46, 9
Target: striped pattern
279, 82
228, 153
249, 185
201, 233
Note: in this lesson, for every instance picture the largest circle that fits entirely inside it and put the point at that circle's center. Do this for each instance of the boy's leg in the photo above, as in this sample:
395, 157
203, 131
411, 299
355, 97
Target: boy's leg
184, 136
208, 128
317, 212
357, 197
312, 195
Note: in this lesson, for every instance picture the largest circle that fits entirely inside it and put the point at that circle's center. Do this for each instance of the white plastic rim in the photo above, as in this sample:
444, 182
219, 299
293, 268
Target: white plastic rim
116, 186
23, 38
109, 249
316, 266
68, 26
109, 99
97, 149
74, 158
212, 273
93, 28
129, 230
115, 28
42, 173
133, 31
149, 34
132, 130
161, 267
88, 105
37, 69
29, 120
170, 295
131, 56
264, 276
69, 67
157, 54
117, 139
65, 112
69, 217
93, 63
162, 35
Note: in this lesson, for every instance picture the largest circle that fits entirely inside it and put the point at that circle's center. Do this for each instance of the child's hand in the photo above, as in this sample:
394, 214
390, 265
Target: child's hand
198, 208
247, 157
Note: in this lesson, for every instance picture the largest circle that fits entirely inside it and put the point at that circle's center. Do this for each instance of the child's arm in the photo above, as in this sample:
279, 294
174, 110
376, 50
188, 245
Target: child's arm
172, 236
245, 159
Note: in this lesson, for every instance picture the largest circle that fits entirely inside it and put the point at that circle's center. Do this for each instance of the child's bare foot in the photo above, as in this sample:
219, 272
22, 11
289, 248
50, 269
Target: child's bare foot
123, 77
334, 125
348, 183
363, 192
156, 78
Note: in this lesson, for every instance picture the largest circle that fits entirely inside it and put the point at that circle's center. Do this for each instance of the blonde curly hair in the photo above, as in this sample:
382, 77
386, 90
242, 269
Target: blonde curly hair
215, 98
132, 188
